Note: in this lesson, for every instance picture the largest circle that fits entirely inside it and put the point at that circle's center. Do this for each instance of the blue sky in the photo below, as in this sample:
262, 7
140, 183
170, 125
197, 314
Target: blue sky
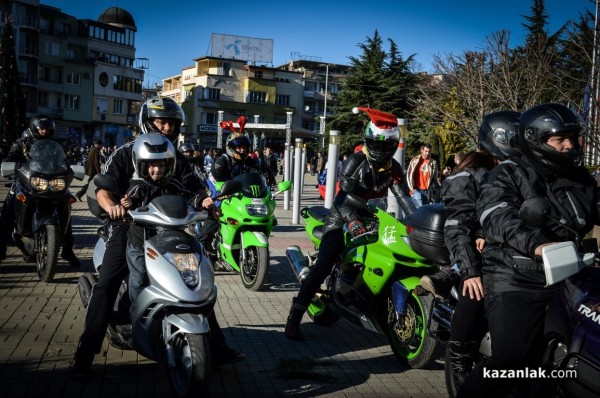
173, 34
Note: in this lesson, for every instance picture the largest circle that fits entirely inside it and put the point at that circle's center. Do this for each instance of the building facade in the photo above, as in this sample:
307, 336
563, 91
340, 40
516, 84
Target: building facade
79, 72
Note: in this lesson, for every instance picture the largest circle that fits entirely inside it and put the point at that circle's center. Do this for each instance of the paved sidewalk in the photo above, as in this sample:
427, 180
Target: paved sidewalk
40, 324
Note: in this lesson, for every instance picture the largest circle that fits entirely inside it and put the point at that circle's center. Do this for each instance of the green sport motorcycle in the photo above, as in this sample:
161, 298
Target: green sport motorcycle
374, 282
246, 220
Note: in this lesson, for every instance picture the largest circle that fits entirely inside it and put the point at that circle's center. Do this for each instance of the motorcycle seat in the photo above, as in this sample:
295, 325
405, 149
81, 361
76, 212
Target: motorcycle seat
318, 232
318, 212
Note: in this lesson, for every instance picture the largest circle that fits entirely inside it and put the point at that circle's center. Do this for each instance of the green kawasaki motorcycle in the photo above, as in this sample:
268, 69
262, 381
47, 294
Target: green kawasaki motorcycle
374, 283
246, 220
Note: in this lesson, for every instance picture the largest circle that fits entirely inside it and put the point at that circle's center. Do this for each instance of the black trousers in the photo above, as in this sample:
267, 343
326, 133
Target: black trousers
104, 293
516, 324
331, 246
468, 321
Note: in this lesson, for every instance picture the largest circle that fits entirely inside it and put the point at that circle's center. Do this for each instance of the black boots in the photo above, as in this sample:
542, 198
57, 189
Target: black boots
69, 255
82, 364
440, 283
292, 326
462, 357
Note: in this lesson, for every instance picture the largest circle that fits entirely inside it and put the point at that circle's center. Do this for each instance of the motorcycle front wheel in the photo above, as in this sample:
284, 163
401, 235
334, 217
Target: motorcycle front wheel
408, 335
190, 373
255, 269
47, 255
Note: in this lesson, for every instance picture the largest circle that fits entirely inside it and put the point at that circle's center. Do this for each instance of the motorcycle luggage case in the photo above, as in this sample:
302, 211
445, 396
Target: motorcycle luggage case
426, 237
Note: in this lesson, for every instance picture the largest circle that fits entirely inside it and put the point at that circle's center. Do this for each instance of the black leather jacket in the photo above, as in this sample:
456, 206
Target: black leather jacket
509, 261
358, 176
459, 195
225, 168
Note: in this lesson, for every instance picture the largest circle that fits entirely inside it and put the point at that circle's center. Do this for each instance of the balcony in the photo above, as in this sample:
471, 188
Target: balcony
30, 51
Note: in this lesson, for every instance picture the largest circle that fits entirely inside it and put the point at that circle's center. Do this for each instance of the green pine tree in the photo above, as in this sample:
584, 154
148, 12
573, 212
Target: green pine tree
12, 101
379, 80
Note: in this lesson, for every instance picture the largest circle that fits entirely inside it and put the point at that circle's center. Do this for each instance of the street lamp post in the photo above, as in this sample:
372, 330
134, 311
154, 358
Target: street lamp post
322, 126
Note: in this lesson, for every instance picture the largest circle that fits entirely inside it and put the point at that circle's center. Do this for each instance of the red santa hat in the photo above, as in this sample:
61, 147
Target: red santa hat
382, 125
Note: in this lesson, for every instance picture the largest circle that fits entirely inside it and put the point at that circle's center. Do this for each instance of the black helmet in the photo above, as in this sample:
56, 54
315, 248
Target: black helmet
538, 124
150, 148
41, 122
164, 108
235, 140
498, 134
186, 147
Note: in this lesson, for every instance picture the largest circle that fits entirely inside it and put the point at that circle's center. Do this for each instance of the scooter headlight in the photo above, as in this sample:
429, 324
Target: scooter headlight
187, 264
257, 210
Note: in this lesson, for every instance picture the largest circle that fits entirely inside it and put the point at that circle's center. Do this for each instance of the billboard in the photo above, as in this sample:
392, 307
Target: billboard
242, 48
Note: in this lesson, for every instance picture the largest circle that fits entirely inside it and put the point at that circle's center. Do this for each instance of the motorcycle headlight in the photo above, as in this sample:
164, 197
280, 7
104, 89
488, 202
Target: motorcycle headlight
257, 210
187, 265
58, 184
39, 183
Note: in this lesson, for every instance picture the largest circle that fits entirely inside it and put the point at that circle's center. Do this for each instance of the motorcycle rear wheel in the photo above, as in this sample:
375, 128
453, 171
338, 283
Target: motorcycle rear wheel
408, 336
191, 373
47, 254
254, 272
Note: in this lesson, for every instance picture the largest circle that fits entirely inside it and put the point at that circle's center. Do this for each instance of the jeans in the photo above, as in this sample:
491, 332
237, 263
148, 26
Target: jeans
419, 197
138, 276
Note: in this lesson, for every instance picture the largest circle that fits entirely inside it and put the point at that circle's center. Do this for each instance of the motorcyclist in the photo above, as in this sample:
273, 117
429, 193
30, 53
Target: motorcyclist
464, 238
40, 127
154, 160
515, 295
368, 174
233, 162
157, 115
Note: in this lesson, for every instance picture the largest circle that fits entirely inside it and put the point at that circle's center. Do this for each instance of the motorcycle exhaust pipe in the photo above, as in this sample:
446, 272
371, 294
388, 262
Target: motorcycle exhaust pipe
298, 262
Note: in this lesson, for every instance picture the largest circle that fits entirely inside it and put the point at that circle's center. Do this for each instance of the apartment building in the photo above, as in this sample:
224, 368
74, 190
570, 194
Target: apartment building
78, 71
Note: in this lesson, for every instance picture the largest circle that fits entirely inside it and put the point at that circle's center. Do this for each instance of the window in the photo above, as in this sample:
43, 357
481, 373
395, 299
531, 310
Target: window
52, 49
213, 94
72, 101
42, 98
224, 69
71, 54
118, 107
212, 118
282, 100
102, 105
258, 74
257, 97
74, 78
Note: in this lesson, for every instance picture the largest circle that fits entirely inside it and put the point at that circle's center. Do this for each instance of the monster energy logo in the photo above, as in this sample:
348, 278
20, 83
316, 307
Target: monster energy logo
255, 190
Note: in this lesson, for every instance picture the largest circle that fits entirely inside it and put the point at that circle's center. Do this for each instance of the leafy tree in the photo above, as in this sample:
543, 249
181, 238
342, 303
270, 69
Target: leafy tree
12, 101
379, 80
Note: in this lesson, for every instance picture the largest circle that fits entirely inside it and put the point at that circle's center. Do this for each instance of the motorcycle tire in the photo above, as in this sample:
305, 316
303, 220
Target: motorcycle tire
255, 271
47, 255
190, 375
411, 343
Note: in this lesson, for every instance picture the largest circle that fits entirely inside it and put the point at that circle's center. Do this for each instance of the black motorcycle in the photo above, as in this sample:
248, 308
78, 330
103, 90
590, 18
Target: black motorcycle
42, 203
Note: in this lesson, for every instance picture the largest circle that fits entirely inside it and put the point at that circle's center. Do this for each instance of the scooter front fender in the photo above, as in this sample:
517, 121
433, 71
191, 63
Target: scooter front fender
184, 323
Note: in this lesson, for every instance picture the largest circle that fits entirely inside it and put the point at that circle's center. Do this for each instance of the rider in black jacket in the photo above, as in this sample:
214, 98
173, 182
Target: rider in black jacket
40, 127
158, 115
368, 174
516, 298
464, 238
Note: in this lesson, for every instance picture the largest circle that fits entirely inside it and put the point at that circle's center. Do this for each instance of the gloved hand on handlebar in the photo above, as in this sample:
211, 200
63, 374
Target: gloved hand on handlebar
356, 227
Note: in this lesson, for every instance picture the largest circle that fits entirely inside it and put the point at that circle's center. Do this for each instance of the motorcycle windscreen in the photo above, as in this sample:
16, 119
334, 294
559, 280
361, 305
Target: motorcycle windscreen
254, 185
389, 204
47, 157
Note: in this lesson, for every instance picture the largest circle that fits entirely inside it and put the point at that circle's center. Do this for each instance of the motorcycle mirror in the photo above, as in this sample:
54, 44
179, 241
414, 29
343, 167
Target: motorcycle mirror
284, 185
106, 182
533, 211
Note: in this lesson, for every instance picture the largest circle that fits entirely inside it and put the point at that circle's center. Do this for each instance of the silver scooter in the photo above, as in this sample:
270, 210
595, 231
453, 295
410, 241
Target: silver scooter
168, 320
